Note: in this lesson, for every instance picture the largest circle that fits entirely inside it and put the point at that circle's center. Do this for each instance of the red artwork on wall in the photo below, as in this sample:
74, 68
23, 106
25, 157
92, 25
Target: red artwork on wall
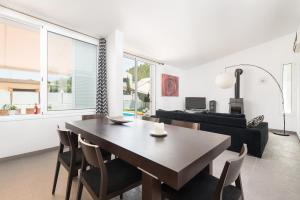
170, 85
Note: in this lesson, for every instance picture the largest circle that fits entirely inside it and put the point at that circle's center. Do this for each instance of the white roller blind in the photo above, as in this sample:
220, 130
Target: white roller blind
85, 74
20, 46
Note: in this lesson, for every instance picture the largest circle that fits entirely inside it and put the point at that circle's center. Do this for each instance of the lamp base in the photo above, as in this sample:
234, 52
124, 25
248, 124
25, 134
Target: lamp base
280, 133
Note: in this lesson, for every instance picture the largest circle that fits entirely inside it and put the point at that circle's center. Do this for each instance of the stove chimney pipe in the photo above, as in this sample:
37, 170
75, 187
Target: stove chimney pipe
238, 73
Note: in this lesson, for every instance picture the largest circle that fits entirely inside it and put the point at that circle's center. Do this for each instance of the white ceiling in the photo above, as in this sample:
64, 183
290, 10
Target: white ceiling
182, 33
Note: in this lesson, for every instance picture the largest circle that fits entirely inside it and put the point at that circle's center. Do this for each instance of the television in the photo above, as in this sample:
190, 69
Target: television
193, 103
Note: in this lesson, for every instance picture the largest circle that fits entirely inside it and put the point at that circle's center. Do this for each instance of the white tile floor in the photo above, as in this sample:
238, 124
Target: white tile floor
276, 176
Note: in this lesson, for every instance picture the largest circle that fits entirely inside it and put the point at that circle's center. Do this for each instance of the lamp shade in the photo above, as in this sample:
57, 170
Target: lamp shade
225, 80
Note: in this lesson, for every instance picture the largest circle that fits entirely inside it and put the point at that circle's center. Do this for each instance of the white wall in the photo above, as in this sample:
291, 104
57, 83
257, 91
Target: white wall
27, 135
114, 73
170, 103
298, 100
260, 93
115, 79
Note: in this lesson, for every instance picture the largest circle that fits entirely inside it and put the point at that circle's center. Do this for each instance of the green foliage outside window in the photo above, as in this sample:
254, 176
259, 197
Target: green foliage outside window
127, 89
61, 84
143, 71
9, 107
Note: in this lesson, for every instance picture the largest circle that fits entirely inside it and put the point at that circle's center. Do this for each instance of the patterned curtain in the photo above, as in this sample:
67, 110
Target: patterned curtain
101, 98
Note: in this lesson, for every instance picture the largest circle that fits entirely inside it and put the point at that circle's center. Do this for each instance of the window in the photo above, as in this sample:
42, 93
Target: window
45, 68
137, 86
128, 87
287, 87
19, 67
71, 73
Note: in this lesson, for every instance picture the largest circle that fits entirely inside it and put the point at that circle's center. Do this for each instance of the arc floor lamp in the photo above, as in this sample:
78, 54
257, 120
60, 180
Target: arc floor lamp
226, 80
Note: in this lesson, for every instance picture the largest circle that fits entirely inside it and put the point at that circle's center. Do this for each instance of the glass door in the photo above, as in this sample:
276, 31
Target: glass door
137, 87
143, 88
129, 95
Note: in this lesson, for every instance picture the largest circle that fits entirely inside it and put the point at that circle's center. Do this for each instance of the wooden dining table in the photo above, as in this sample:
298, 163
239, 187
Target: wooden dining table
174, 159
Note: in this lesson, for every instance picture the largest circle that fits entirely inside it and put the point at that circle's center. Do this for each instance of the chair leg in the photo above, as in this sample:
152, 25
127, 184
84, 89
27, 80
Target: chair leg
121, 196
69, 184
79, 191
75, 173
55, 176
238, 184
109, 158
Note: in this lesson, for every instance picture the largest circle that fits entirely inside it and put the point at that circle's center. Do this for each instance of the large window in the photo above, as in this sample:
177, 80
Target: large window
19, 67
71, 73
45, 68
137, 86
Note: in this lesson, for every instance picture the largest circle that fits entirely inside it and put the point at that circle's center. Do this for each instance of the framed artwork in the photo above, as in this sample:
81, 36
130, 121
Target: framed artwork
170, 85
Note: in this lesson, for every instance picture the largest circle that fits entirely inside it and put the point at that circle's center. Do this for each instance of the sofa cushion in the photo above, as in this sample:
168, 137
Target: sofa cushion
255, 121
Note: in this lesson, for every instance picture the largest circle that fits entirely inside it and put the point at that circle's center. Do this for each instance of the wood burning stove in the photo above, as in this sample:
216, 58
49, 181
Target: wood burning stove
236, 106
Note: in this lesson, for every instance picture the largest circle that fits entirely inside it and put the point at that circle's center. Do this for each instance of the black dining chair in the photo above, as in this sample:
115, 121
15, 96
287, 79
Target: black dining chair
70, 156
151, 119
208, 187
93, 116
185, 124
105, 180
106, 155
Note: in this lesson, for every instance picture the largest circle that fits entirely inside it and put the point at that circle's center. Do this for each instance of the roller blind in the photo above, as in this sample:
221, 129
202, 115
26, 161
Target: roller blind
20, 46
85, 74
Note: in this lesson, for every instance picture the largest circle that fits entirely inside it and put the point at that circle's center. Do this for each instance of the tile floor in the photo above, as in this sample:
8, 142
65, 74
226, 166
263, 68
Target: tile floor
276, 176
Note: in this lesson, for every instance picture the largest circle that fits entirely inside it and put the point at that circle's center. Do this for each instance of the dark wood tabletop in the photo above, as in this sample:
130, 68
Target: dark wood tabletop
174, 159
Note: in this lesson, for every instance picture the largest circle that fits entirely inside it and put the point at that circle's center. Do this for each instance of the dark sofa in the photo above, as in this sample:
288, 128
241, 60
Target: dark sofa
234, 125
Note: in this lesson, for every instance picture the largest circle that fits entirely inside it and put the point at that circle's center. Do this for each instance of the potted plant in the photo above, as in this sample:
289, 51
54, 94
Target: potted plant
12, 109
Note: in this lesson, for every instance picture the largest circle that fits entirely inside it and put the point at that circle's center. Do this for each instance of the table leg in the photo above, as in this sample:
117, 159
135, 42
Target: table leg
210, 166
151, 187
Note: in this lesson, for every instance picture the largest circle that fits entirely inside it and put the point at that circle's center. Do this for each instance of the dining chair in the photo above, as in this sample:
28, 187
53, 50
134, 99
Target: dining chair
107, 155
105, 180
70, 159
208, 187
93, 116
151, 119
185, 124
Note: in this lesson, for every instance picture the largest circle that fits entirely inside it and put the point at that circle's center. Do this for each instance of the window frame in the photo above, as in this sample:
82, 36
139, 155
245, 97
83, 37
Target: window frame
152, 76
45, 75
44, 28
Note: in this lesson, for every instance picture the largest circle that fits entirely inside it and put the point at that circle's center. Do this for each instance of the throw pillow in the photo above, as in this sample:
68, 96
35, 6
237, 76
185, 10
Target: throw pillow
255, 121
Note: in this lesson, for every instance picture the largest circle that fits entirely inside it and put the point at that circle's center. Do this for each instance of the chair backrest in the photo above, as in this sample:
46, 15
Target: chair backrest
151, 119
92, 155
185, 124
94, 116
64, 137
90, 152
231, 172
68, 139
